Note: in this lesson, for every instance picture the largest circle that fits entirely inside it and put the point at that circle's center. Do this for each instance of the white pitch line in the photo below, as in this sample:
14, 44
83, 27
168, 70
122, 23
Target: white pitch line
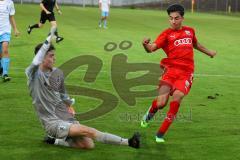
217, 75
195, 75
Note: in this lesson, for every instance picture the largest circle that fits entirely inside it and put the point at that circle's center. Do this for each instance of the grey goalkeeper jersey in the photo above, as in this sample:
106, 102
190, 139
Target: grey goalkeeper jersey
49, 95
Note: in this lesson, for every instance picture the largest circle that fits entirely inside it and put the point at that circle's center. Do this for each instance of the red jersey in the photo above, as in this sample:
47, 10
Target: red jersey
178, 46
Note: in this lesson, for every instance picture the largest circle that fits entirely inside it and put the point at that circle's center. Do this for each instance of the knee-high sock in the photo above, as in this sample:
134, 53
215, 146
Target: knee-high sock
56, 33
110, 138
0, 54
152, 110
5, 65
34, 26
105, 22
171, 115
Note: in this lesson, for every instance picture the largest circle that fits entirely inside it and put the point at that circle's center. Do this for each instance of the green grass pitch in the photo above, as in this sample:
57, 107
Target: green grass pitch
205, 129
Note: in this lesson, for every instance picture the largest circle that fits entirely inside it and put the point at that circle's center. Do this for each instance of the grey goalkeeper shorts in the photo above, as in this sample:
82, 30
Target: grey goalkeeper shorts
60, 129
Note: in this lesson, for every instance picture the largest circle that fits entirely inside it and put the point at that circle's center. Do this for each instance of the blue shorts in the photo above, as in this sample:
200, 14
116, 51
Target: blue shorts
5, 37
104, 14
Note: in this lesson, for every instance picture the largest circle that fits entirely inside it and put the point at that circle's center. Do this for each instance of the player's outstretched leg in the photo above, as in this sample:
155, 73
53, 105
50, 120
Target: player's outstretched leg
171, 115
58, 38
5, 61
157, 104
31, 27
149, 114
133, 142
103, 137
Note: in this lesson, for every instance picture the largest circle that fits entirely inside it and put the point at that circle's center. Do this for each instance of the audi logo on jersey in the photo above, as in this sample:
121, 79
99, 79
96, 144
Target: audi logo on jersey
183, 41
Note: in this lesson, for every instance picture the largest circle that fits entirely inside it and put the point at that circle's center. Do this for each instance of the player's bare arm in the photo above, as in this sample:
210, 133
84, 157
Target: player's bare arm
149, 47
204, 50
58, 9
44, 9
13, 23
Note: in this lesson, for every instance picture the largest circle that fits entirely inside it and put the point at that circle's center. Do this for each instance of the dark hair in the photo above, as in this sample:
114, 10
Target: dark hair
40, 45
176, 8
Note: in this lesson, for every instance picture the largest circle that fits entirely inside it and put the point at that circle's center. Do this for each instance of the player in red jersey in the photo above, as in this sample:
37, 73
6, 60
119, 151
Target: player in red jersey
177, 42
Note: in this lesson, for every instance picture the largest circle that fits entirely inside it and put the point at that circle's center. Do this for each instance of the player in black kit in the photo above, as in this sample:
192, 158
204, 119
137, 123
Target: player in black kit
47, 13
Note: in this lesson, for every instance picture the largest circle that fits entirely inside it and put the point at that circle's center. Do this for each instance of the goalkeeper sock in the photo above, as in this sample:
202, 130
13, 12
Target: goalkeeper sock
61, 142
110, 139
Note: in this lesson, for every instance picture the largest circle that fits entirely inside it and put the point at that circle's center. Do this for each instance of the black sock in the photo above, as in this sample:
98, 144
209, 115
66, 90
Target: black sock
56, 33
34, 26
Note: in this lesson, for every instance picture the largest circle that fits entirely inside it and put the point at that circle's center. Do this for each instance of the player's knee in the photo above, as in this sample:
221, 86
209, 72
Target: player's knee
92, 133
5, 52
161, 104
40, 25
90, 145
88, 132
178, 96
53, 24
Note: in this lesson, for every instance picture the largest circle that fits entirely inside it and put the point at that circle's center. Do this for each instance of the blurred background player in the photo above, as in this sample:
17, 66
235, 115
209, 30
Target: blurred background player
46, 86
47, 7
7, 12
104, 6
177, 42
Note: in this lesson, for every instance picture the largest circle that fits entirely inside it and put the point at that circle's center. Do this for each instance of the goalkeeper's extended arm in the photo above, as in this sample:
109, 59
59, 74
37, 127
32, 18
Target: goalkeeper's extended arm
43, 50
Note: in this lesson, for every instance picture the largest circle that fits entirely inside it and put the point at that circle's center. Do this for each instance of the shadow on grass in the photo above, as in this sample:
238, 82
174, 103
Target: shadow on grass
150, 150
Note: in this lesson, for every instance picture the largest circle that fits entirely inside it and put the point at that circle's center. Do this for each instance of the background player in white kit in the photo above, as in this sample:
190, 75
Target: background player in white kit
46, 86
7, 12
104, 6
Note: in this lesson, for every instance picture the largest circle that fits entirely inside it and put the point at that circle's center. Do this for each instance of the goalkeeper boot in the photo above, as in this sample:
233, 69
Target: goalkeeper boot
134, 141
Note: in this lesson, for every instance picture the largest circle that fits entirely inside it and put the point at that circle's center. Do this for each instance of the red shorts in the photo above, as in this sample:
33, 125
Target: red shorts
177, 80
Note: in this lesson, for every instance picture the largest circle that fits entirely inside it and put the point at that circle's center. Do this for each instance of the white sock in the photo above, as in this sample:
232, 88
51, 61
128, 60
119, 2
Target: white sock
61, 142
111, 139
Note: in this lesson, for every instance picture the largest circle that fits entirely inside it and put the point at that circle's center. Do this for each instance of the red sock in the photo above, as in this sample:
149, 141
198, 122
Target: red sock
153, 110
171, 115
